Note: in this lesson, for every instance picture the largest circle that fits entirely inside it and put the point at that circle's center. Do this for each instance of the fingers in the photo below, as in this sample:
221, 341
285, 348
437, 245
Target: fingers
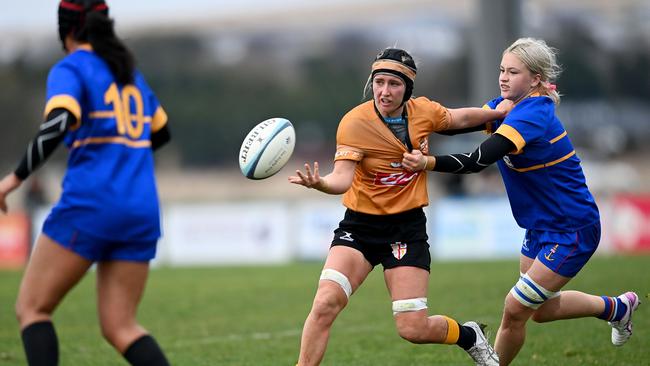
299, 178
316, 174
413, 161
295, 179
308, 178
308, 170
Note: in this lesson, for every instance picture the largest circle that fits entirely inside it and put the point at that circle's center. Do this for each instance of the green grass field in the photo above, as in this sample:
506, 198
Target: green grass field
254, 315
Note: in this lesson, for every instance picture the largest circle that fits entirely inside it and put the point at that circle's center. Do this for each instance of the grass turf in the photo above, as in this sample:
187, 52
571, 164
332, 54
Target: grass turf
254, 315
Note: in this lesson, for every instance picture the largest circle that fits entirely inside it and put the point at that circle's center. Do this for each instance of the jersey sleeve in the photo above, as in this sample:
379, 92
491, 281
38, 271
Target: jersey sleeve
439, 115
159, 119
64, 90
527, 122
347, 146
158, 114
491, 127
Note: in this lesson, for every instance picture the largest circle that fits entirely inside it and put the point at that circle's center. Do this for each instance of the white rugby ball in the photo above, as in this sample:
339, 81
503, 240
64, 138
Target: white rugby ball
267, 148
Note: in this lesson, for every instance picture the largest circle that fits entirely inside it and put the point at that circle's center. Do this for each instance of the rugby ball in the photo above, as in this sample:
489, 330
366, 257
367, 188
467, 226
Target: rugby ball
267, 148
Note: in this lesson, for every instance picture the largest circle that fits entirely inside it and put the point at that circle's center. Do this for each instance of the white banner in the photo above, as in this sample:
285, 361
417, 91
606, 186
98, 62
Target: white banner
314, 224
281, 231
473, 229
234, 233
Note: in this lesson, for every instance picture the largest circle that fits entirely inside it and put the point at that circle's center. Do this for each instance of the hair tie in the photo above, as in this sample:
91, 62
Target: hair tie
550, 86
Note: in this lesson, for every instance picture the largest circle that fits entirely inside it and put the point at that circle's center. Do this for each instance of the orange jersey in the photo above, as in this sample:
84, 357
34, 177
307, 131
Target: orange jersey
380, 185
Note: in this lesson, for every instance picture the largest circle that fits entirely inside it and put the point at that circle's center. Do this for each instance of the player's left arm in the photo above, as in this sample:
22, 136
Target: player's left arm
490, 151
160, 137
160, 134
460, 131
468, 118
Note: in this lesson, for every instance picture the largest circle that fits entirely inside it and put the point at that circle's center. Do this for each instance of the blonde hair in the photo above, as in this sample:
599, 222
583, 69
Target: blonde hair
540, 59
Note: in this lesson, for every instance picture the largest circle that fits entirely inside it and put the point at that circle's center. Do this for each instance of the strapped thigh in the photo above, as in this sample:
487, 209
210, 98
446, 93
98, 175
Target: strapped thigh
531, 294
407, 305
338, 277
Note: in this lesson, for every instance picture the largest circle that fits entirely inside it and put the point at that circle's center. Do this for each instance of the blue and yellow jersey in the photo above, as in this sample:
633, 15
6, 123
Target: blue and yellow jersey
543, 177
109, 188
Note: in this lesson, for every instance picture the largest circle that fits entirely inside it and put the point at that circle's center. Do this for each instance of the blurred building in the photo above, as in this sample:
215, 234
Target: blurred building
221, 67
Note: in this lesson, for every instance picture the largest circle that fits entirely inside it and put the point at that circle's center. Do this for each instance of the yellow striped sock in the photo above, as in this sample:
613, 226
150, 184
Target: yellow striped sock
453, 331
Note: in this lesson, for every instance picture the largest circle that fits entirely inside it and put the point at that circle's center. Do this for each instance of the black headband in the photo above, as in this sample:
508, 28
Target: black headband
396, 62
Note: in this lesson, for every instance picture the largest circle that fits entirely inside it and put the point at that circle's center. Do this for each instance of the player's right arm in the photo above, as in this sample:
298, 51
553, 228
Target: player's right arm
336, 182
49, 136
7, 185
345, 160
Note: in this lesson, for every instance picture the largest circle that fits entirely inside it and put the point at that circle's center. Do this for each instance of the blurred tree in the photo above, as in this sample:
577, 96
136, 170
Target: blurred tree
215, 88
21, 102
582, 60
630, 70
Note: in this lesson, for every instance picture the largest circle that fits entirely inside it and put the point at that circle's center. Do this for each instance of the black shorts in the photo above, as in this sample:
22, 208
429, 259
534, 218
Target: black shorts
392, 240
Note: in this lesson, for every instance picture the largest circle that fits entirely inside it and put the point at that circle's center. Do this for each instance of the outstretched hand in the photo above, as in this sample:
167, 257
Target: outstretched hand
309, 179
414, 161
7, 184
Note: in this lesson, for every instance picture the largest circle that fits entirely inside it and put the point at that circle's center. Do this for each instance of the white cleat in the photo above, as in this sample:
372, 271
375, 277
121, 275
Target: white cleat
482, 353
622, 329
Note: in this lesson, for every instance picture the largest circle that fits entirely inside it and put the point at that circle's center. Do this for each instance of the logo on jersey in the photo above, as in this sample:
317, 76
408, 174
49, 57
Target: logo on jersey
549, 255
394, 179
525, 244
506, 160
347, 236
395, 164
348, 154
399, 249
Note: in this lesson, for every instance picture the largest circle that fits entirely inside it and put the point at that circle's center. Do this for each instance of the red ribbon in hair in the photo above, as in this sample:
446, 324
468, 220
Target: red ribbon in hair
80, 8
550, 86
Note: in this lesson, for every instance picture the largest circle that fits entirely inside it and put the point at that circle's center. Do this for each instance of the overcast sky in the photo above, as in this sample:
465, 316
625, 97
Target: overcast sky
39, 16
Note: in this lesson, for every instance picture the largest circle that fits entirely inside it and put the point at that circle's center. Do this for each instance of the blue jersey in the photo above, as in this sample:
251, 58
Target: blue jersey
543, 177
109, 189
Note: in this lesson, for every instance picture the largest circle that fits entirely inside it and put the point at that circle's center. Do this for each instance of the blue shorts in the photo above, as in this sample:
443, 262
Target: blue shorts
94, 248
564, 253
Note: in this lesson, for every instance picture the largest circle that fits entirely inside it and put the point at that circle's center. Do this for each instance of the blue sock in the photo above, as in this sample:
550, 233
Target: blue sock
614, 310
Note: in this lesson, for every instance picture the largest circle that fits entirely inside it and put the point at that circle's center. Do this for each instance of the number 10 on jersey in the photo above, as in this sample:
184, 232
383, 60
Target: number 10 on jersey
122, 106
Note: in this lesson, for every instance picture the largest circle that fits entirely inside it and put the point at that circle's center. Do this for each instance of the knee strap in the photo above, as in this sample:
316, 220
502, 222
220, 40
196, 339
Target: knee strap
403, 306
531, 294
339, 278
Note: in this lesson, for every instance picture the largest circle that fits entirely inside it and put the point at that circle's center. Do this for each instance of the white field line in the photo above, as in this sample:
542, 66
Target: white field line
263, 336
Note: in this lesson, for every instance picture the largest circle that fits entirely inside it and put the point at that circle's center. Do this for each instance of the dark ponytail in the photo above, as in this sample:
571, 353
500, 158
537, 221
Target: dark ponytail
101, 35
88, 21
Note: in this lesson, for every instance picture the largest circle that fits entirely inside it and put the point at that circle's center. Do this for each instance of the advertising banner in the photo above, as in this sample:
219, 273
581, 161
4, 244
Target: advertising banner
462, 228
14, 240
241, 233
630, 224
